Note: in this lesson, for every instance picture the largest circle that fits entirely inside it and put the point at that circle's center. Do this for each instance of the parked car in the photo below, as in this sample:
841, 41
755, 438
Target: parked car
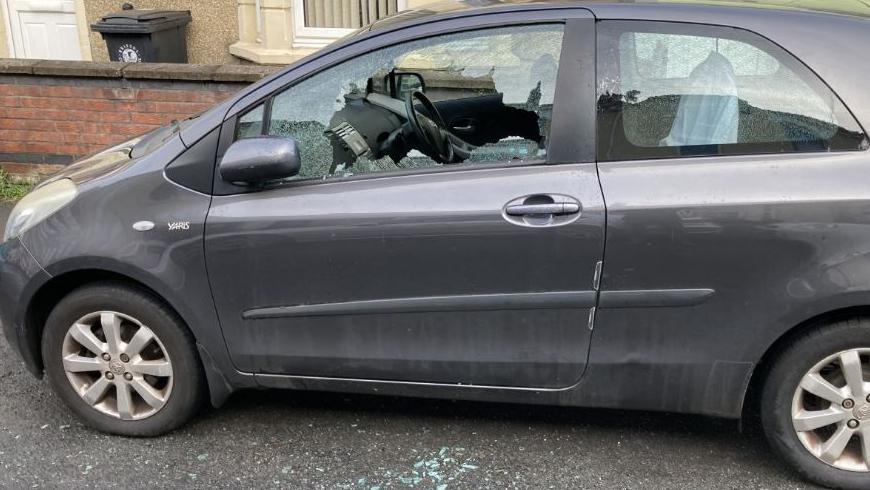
411, 212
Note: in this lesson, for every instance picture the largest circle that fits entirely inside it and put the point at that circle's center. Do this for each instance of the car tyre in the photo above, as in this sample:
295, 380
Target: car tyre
789, 402
170, 396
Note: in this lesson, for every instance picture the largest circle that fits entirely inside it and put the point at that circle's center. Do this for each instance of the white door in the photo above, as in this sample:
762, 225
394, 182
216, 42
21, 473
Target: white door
44, 29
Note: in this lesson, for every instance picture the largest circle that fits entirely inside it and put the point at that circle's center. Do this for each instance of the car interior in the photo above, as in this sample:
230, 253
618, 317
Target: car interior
388, 120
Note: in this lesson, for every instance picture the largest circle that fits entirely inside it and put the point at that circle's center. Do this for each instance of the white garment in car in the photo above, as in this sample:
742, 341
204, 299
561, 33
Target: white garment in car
708, 113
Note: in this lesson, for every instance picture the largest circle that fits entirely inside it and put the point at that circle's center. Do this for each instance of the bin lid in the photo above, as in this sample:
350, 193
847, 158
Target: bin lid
141, 21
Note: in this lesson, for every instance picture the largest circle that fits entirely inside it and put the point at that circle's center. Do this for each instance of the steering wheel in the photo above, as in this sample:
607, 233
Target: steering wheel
431, 131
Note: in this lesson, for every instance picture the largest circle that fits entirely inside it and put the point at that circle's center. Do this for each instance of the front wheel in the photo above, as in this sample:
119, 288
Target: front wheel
122, 360
816, 404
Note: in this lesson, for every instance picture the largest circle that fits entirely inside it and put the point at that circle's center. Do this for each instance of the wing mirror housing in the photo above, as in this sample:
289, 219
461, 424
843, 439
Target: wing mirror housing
261, 159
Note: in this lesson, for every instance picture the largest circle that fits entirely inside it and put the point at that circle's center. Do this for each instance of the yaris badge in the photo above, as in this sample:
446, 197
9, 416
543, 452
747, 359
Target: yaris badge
179, 225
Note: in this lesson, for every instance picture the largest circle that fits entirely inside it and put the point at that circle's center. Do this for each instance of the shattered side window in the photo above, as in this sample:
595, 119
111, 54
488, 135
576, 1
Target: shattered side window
493, 89
667, 90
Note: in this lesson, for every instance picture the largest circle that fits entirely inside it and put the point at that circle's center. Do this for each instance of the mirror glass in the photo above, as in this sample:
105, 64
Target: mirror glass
407, 83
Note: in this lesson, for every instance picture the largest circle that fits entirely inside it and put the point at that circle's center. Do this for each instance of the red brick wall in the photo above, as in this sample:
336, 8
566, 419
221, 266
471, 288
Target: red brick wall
76, 121
49, 121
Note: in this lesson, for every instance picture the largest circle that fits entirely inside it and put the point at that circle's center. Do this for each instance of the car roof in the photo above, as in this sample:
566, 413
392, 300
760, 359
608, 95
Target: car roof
854, 8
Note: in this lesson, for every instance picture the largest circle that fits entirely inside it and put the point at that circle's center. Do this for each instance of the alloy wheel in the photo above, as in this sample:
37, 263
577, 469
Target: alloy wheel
117, 365
831, 410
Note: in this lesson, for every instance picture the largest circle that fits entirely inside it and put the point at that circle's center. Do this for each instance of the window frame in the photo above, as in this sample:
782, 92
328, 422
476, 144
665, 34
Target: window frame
318, 37
613, 142
574, 78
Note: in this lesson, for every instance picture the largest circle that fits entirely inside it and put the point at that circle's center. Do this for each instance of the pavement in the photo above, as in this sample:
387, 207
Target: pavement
288, 439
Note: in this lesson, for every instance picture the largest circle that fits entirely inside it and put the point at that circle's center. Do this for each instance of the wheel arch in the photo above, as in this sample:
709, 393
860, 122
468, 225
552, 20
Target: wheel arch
52, 291
44, 299
752, 394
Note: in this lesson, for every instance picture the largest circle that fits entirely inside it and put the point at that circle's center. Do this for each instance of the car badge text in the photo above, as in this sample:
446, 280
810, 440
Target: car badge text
179, 225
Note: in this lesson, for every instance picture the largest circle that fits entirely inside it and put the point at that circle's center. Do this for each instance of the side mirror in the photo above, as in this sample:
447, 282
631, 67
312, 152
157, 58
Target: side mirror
261, 159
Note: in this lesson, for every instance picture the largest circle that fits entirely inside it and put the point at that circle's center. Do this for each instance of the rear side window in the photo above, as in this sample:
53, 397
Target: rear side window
668, 89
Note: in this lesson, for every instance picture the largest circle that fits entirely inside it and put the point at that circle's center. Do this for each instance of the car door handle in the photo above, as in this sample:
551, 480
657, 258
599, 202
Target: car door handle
554, 209
542, 210
464, 124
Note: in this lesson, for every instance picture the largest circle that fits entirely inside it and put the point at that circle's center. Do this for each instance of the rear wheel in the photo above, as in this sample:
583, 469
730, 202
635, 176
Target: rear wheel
816, 404
122, 360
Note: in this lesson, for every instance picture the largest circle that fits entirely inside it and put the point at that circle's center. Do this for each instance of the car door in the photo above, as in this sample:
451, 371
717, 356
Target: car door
480, 272
733, 178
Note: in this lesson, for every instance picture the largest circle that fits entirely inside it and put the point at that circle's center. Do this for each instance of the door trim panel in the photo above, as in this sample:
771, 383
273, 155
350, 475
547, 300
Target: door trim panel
651, 298
427, 304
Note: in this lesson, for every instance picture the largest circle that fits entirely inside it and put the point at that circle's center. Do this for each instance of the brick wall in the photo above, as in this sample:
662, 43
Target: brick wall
52, 113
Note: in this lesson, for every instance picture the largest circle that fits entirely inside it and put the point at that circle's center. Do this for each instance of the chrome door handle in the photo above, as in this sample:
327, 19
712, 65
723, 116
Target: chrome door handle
555, 209
542, 210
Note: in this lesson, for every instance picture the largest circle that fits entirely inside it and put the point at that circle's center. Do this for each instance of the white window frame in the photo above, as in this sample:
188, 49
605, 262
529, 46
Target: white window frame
318, 37
7, 25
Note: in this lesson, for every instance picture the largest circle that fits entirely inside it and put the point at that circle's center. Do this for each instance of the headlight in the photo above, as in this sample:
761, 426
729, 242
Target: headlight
38, 205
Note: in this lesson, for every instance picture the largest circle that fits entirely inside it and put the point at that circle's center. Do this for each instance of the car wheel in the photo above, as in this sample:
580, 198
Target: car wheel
815, 407
122, 360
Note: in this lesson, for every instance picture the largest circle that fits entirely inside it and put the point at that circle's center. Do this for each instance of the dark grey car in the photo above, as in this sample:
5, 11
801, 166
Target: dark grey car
644, 206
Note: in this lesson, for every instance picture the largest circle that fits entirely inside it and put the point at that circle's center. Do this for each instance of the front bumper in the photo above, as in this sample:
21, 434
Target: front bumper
20, 276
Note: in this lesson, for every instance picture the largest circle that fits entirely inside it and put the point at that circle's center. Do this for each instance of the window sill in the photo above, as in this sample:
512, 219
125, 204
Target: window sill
259, 54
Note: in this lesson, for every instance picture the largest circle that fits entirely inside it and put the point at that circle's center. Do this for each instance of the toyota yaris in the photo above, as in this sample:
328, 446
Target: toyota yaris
643, 206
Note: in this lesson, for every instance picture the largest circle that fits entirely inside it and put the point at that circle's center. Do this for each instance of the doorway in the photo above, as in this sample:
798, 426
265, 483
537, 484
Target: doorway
44, 29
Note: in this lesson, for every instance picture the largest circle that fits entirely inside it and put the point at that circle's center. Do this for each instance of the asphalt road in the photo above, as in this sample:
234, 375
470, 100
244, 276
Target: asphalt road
316, 440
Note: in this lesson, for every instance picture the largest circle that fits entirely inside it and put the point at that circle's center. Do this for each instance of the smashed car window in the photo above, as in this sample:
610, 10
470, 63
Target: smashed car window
668, 89
482, 96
